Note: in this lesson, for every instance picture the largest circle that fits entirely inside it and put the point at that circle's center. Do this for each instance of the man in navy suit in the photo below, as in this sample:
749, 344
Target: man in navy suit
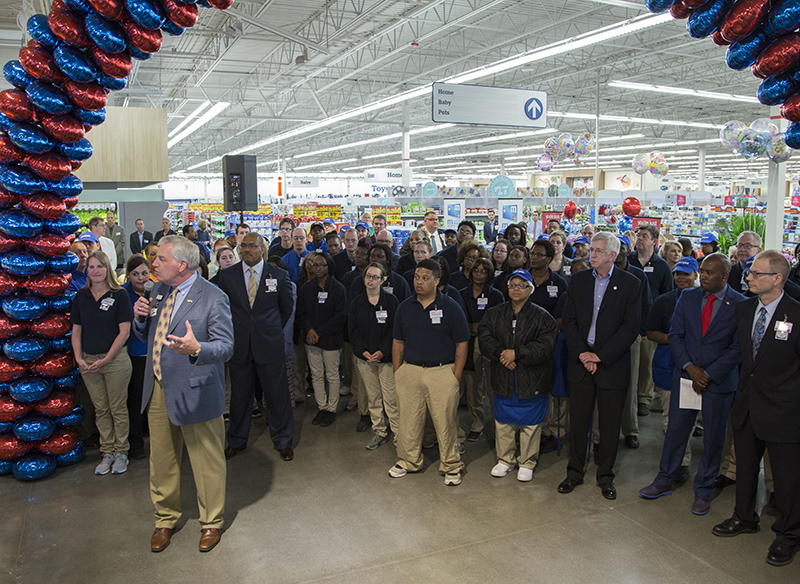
703, 340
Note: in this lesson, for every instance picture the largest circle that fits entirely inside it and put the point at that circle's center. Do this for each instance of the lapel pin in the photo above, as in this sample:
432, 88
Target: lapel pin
189, 300
615, 287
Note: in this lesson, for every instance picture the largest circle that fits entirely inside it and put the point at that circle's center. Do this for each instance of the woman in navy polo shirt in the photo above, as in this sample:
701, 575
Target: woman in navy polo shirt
548, 286
101, 324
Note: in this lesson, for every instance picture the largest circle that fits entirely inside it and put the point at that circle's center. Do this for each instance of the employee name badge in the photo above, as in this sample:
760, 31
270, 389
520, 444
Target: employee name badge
567, 270
497, 273
154, 310
483, 303
552, 291
782, 330
648, 269
272, 285
381, 316
436, 316
389, 289
322, 297
106, 303
514, 325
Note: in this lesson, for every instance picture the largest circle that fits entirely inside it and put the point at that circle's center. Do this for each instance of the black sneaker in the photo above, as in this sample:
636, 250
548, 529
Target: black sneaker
364, 424
137, 453
473, 436
548, 444
328, 419
643, 410
318, 418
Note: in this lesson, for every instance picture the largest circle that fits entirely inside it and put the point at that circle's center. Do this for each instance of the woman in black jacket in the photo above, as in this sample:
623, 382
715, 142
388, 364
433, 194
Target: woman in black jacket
321, 312
518, 338
370, 322
394, 283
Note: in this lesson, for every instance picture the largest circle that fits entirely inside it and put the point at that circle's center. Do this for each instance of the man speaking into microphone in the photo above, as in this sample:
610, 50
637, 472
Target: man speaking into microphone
188, 328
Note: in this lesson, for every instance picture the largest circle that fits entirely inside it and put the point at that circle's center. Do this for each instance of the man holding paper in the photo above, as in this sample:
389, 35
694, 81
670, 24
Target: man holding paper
703, 340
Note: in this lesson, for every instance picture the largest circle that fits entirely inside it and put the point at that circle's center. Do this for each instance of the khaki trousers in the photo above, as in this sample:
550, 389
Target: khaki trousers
506, 444
300, 367
558, 422
378, 380
359, 389
205, 444
630, 419
645, 391
324, 365
473, 387
436, 388
108, 389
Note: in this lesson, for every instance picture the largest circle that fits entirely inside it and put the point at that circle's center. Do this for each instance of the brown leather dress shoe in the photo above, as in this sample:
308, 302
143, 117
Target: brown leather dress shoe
209, 537
160, 539
287, 454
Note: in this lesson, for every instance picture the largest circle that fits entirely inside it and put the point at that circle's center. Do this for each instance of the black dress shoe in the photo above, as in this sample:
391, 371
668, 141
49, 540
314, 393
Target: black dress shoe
287, 454
548, 444
364, 424
609, 491
781, 554
318, 418
732, 527
722, 481
632, 441
231, 452
568, 485
328, 419
137, 453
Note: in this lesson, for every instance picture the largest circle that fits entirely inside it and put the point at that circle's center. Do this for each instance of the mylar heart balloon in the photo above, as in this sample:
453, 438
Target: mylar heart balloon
69, 186
70, 202
68, 26
48, 98
24, 308
137, 54
7, 200
74, 456
11, 328
5, 465
147, 13
181, 13
40, 31
23, 263
51, 326
106, 34
48, 284
12, 447
44, 205
81, 7
112, 9
64, 264
61, 303
68, 381
9, 152
8, 243
53, 365
221, 4
112, 64
71, 419
16, 74
75, 64
47, 244
146, 40
25, 348
19, 179
75, 164
9, 284
49, 165
60, 442
30, 138
30, 389
5, 122
15, 104
19, 223
79, 150
90, 117
58, 403
33, 467
64, 128
111, 83
39, 63
171, 28
89, 96
62, 344
33, 428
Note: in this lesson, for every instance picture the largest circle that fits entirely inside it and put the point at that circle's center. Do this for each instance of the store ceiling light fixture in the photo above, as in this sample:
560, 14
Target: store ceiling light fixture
682, 91
189, 118
215, 110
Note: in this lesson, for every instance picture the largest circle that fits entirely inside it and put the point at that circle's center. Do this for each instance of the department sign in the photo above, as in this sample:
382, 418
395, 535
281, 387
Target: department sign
454, 103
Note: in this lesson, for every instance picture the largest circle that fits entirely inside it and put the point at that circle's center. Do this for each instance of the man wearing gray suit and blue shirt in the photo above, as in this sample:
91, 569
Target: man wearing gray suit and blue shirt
188, 328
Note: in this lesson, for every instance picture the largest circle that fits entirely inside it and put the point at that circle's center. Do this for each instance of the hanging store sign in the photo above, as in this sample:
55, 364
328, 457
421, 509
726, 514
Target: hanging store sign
454, 211
453, 103
383, 175
302, 183
509, 211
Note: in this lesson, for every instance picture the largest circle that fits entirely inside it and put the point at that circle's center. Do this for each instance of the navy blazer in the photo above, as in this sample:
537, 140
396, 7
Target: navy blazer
258, 331
717, 352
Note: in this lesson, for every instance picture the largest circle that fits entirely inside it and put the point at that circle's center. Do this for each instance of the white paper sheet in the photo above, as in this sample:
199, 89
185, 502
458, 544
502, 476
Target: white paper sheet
689, 399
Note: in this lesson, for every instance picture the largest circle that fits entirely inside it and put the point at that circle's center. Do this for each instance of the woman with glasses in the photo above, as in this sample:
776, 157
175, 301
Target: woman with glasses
394, 283
518, 338
307, 272
560, 263
370, 324
548, 286
479, 296
500, 256
468, 253
518, 259
421, 250
406, 261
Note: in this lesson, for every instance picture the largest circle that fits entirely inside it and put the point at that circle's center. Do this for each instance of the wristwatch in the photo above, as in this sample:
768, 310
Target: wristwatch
197, 352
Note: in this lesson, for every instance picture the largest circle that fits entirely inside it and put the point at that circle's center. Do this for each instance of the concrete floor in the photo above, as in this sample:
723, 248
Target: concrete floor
334, 515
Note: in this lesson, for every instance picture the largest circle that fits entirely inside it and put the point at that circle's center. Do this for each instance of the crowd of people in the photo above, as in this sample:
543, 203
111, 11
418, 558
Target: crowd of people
551, 341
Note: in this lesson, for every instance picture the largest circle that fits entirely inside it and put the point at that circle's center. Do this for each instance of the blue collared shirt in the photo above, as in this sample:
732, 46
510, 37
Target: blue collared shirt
183, 290
600, 287
771, 307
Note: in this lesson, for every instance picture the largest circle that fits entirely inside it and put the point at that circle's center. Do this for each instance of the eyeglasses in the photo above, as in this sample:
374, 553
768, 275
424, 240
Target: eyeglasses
466, 232
538, 255
480, 271
746, 246
319, 265
748, 273
249, 245
518, 286
372, 277
597, 250
432, 219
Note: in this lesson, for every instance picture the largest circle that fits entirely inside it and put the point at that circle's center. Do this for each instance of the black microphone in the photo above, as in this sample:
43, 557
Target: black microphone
148, 288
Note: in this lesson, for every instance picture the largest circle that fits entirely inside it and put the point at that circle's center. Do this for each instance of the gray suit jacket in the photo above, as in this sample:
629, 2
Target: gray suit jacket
194, 388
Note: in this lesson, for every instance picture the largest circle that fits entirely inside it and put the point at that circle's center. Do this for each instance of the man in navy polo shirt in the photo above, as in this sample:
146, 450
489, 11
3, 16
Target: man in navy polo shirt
431, 337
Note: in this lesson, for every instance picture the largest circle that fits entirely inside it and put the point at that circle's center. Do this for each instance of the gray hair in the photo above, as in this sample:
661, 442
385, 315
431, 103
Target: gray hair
183, 250
612, 243
756, 236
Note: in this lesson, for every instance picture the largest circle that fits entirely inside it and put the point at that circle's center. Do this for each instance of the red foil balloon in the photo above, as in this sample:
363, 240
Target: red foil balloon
9, 152
48, 284
53, 365
221, 4
8, 282
695, 4
15, 104
10, 369
40, 63
59, 442
70, 202
780, 56
7, 199
743, 18
570, 209
111, 9
146, 40
10, 328
68, 26
181, 13
76, 164
45, 205
51, 326
58, 403
48, 244
12, 447
64, 127
631, 206
117, 65
790, 109
756, 73
48, 165
90, 96
59, 5
718, 40
679, 10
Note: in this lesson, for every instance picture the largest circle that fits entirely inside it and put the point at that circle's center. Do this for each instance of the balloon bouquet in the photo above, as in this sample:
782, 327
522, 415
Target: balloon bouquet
79, 52
760, 34
564, 147
754, 141
655, 162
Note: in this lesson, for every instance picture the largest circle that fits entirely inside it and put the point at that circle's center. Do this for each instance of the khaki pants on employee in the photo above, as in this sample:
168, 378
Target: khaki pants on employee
646, 386
437, 389
108, 389
205, 445
381, 393
506, 444
473, 387
324, 364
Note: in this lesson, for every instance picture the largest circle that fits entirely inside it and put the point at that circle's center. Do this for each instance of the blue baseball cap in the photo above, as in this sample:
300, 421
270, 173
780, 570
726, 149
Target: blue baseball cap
708, 238
624, 239
748, 263
329, 221
524, 274
88, 236
686, 265
543, 236
583, 240
363, 224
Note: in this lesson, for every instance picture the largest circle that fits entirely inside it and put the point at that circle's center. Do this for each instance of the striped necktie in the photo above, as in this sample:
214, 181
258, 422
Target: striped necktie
252, 287
758, 332
161, 332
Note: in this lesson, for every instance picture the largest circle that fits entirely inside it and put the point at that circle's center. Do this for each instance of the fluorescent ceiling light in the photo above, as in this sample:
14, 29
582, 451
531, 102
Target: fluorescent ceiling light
216, 109
189, 118
335, 162
647, 121
682, 91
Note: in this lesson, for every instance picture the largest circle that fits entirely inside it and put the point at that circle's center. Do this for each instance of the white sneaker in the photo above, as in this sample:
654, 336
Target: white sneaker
120, 464
452, 479
397, 472
501, 469
105, 465
524, 474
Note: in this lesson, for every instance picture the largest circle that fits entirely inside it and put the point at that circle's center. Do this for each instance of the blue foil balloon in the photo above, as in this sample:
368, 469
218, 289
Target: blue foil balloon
5, 466
6, 427
705, 20
112, 83
64, 264
32, 428
16, 75
148, 13
20, 223
74, 456
91, 117
30, 138
137, 54
107, 35
73, 418
19, 179
4, 388
61, 303
31, 389
5, 122
82, 7
70, 380
48, 97
742, 54
25, 307
40, 31
69, 186
80, 150
33, 467
775, 90
23, 263
26, 348
783, 18
173, 29
792, 136
658, 6
62, 344
75, 64
67, 224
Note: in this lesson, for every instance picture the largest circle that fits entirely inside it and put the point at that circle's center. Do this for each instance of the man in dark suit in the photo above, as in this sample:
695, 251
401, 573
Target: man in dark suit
490, 230
140, 238
702, 337
187, 326
602, 316
766, 411
261, 304
431, 220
